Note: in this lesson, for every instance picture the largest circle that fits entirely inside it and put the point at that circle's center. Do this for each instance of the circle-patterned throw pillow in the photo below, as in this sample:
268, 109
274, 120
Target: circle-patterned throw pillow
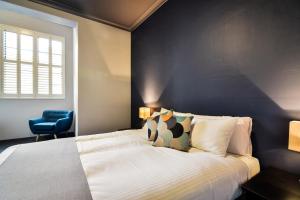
174, 132
152, 127
152, 124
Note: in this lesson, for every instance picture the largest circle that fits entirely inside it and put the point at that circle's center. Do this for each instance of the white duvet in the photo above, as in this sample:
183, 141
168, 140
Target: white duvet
124, 165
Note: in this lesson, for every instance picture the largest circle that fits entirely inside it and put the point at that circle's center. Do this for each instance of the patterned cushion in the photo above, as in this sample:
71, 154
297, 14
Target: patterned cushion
174, 132
152, 127
152, 123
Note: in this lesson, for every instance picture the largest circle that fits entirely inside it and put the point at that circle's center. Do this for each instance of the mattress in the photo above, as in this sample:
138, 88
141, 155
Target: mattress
124, 165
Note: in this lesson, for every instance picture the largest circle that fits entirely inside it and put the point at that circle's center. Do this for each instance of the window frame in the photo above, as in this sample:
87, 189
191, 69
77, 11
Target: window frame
35, 63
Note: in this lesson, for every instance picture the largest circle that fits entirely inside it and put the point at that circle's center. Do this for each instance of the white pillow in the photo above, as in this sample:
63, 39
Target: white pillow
201, 117
213, 135
240, 142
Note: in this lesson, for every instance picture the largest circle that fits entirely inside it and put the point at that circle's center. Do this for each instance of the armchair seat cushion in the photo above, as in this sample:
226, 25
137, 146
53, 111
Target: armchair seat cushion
44, 126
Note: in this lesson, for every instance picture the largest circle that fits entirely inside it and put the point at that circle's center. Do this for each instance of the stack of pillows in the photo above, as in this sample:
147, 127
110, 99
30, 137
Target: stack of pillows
216, 134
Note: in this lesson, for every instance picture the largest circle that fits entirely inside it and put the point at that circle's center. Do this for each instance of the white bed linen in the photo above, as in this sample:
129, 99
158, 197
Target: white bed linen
124, 165
6, 153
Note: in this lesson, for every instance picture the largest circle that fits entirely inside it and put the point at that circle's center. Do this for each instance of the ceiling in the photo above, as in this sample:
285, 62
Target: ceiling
124, 14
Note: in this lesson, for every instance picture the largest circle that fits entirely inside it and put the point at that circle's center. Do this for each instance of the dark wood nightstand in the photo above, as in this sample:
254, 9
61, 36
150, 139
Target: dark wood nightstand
273, 184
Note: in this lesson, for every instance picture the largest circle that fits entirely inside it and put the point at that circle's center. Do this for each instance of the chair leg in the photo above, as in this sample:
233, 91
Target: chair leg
37, 138
55, 136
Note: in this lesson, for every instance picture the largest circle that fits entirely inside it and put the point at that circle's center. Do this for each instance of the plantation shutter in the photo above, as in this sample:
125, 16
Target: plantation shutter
26, 67
43, 66
10, 55
31, 64
57, 68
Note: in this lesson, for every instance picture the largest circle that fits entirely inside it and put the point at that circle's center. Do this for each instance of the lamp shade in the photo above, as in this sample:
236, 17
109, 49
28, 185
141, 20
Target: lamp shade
144, 112
294, 136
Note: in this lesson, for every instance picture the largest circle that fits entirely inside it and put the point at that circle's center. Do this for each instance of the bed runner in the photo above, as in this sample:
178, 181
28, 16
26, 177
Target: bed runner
48, 170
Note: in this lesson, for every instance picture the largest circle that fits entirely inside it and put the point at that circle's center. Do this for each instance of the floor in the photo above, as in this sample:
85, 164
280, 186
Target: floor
7, 143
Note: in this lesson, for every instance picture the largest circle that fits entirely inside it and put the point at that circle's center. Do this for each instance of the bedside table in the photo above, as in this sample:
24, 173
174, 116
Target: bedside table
273, 184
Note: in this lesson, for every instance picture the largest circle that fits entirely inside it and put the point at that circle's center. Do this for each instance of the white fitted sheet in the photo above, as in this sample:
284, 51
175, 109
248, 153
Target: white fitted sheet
124, 165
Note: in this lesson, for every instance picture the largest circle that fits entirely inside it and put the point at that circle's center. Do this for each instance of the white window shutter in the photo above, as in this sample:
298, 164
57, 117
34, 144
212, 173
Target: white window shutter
26, 66
32, 64
43, 80
57, 68
9, 78
26, 79
26, 48
10, 45
9, 64
57, 77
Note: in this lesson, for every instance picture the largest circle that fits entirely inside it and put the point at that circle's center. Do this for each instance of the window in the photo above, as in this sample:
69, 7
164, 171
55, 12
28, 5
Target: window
31, 64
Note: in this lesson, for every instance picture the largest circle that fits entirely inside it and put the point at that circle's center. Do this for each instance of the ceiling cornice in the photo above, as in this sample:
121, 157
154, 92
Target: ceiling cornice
69, 9
155, 6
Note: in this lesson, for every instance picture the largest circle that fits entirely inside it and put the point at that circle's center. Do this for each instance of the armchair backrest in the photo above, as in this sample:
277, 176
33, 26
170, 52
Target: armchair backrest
54, 115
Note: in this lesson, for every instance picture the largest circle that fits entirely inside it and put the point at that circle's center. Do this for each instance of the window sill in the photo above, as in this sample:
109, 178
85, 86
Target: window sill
32, 98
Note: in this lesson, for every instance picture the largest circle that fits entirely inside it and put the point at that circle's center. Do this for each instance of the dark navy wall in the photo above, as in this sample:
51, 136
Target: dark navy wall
231, 57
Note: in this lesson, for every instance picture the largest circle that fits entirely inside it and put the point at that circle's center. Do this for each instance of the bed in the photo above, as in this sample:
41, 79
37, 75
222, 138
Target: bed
119, 165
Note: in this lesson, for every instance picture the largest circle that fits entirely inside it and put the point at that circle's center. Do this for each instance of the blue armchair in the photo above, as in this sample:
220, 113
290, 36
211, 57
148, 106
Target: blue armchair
52, 122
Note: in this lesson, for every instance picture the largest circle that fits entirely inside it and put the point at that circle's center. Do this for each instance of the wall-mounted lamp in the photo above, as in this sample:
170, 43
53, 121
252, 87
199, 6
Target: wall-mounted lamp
144, 113
294, 136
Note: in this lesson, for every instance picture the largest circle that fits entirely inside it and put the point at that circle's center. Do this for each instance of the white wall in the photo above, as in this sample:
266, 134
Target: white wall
14, 113
104, 78
103, 73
